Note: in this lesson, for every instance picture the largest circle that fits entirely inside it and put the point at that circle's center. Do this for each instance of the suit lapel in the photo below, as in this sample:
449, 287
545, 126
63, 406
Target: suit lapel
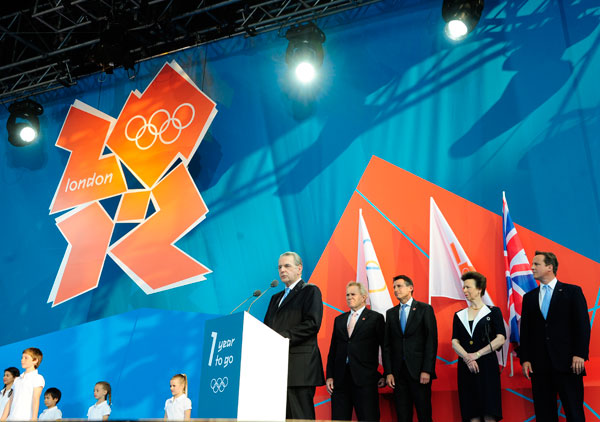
463, 316
291, 294
396, 319
360, 322
412, 314
556, 295
536, 303
482, 313
342, 325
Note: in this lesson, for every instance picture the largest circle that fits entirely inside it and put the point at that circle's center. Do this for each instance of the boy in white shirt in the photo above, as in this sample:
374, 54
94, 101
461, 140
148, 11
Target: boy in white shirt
51, 399
27, 389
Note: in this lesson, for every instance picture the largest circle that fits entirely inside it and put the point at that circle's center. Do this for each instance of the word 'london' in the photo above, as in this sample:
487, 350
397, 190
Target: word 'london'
89, 182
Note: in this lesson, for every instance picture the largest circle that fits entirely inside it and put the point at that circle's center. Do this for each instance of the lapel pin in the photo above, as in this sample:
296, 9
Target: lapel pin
363, 318
414, 309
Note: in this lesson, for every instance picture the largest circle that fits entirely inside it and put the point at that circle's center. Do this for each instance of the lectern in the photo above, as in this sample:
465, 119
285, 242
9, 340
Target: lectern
244, 370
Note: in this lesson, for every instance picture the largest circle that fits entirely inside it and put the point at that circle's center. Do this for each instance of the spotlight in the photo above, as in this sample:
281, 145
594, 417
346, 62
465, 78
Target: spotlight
461, 17
304, 54
23, 125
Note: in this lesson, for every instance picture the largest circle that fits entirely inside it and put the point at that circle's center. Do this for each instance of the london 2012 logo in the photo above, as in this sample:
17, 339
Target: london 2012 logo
154, 137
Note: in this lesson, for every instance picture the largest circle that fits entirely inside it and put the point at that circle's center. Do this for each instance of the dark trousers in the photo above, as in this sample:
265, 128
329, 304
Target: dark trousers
347, 395
569, 387
300, 404
409, 392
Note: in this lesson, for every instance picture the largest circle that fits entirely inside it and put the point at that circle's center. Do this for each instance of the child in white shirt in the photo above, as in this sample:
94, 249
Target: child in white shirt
178, 407
100, 410
51, 398
10, 374
27, 389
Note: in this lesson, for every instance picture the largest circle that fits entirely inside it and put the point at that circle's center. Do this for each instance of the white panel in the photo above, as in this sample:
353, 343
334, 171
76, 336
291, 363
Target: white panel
263, 373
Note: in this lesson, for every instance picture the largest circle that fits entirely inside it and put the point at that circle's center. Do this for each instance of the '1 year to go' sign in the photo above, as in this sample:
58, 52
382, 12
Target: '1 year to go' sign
219, 360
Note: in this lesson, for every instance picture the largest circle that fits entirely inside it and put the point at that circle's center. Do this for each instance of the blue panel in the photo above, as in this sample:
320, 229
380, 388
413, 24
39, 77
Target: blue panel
137, 353
221, 364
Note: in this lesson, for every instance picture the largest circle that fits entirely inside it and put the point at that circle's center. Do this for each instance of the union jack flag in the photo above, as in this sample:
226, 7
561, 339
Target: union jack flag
519, 278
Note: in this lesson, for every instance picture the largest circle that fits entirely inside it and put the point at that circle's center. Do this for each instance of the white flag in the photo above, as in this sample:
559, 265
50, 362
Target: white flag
368, 271
447, 262
447, 259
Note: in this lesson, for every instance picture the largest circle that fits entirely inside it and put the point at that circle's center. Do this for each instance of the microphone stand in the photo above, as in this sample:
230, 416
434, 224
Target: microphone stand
274, 283
256, 293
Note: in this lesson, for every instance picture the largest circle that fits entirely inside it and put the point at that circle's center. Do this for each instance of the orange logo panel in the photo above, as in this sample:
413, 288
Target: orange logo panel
88, 231
147, 253
165, 123
89, 175
133, 206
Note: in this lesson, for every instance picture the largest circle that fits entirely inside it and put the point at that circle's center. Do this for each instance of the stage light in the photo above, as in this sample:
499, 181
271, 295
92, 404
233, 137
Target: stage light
304, 54
23, 125
461, 17
305, 72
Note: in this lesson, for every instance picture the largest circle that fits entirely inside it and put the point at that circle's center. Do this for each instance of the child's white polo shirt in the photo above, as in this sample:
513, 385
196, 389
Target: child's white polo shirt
22, 397
175, 407
4, 398
50, 414
97, 411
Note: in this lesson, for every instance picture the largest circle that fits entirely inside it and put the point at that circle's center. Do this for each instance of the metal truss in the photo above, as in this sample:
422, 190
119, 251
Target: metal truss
49, 44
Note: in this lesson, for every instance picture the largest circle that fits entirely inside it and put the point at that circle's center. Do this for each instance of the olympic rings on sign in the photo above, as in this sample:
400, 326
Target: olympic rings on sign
218, 385
158, 132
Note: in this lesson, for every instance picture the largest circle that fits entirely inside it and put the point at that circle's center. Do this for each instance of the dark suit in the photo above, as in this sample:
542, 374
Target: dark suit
406, 355
352, 363
299, 319
550, 344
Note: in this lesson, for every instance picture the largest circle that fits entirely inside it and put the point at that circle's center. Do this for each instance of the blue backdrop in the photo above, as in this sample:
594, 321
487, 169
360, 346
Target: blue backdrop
514, 107
137, 353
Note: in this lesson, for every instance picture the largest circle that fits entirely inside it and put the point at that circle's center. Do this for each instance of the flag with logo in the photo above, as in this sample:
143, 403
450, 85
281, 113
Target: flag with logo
368, 271
447, 262
519, 278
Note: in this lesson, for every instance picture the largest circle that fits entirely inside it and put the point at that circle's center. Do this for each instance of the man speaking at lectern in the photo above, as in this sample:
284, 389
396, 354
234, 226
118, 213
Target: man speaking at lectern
296, 314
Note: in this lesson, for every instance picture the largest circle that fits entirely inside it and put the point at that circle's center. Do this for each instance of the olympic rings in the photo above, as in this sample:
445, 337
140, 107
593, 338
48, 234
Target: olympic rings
218, 385
158, 132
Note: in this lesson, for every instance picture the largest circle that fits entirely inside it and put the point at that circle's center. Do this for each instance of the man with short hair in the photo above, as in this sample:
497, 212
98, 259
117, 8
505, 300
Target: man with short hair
555, 340
353, 360
409, 352
296, 314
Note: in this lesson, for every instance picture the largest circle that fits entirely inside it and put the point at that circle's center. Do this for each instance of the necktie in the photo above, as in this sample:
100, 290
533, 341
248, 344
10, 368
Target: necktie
287, 292
546, 300
403, 316
352, 323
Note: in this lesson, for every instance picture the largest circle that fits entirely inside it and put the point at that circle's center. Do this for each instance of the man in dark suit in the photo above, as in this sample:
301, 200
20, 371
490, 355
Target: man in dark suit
555, 341
296, 314
352, 375
409, 352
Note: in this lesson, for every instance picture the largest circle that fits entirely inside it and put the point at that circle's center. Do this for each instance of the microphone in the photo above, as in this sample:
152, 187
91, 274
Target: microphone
255, 294
274, 283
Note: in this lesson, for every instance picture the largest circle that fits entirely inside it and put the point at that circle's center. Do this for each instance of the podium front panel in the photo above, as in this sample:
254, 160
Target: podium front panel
220, 381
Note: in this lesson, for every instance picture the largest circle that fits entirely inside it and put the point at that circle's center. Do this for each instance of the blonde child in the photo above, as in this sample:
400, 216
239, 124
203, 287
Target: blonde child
178, 407
100, 410
27, 389
51, 412
9, 378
